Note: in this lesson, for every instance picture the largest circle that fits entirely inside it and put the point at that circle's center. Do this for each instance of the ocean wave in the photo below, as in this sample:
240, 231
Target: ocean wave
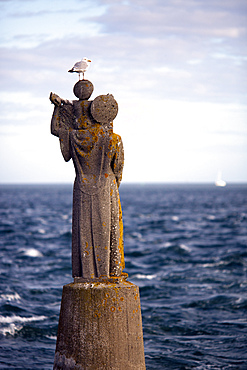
52, 337
31, 252
12, 329
10, 297
185, 247
41, 231
14, 319
11, 325
142, 276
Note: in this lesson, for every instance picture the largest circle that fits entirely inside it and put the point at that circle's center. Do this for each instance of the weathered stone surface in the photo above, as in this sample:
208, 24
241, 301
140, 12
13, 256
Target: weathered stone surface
83, 89
98, 157
104, 108
100, 327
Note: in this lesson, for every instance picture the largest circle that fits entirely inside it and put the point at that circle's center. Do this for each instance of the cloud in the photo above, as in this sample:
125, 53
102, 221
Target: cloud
175, 67
163, 19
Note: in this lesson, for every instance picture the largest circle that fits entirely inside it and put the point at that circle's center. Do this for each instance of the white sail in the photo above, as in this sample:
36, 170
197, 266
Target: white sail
219, 181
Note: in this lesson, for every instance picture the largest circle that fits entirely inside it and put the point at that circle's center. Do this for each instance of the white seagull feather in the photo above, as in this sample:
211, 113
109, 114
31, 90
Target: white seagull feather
81, 67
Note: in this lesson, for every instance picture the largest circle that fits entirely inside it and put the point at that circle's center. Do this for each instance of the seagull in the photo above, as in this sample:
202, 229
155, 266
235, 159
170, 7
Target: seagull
81, 67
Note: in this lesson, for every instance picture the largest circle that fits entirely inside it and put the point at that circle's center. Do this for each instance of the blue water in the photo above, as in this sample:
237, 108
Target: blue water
185, 247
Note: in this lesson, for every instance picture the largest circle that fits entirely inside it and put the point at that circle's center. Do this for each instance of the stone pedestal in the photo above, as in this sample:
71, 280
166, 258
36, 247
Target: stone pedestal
100, 327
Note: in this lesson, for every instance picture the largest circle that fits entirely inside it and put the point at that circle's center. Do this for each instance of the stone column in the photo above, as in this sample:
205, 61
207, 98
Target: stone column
100, 326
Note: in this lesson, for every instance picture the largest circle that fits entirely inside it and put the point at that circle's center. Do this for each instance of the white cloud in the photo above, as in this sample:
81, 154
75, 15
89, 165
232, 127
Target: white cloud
176, 68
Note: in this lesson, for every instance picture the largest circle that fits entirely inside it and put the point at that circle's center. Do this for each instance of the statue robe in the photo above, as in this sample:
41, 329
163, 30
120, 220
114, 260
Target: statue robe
97, 229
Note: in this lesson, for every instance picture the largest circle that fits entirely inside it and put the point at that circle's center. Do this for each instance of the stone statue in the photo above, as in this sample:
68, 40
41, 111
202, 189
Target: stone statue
85, 131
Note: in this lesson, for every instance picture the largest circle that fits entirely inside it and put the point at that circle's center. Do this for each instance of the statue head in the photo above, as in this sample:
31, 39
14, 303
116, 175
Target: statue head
83, 89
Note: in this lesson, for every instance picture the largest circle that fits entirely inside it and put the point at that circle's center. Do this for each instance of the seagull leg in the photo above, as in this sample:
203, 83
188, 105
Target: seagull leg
83, 75
79, 76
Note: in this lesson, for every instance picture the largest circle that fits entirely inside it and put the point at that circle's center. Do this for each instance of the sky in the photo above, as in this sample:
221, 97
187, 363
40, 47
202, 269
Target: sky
177, 69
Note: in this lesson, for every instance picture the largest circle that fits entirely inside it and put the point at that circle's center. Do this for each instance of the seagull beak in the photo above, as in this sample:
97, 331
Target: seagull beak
89, 60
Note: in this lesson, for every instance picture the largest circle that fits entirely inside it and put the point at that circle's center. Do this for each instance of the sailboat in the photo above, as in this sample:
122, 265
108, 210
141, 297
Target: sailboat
219, 181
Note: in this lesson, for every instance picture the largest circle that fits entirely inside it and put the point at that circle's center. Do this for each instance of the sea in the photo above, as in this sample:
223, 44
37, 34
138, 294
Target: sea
185, 247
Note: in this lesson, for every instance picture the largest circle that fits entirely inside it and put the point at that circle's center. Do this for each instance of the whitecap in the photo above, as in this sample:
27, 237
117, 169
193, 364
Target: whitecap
208, 265
11, 329
185, 247
14, 318
10, 297
142, 276
167, 245
41, 231
52, 337
211, 217
240, 300
175, 218
32, 252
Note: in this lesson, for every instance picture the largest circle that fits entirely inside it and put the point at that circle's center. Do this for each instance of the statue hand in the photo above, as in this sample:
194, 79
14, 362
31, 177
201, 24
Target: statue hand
55, 99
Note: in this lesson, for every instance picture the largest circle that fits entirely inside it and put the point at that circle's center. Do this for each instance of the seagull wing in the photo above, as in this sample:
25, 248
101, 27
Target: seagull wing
80, 66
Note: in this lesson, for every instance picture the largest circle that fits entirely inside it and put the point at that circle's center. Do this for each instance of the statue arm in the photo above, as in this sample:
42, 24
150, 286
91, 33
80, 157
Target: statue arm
65, 144
55, 121
61, 123
118, 162
63, 116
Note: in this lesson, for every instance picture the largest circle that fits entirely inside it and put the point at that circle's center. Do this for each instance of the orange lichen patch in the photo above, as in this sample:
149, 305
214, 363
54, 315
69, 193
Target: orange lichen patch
111, 192
86, 143
121, 242
86, 244
106, 175
103, 224
99, 259
113, 308
79, 151
97, 314
83, 120
119, 308
87, 252
106, 248
122, 299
